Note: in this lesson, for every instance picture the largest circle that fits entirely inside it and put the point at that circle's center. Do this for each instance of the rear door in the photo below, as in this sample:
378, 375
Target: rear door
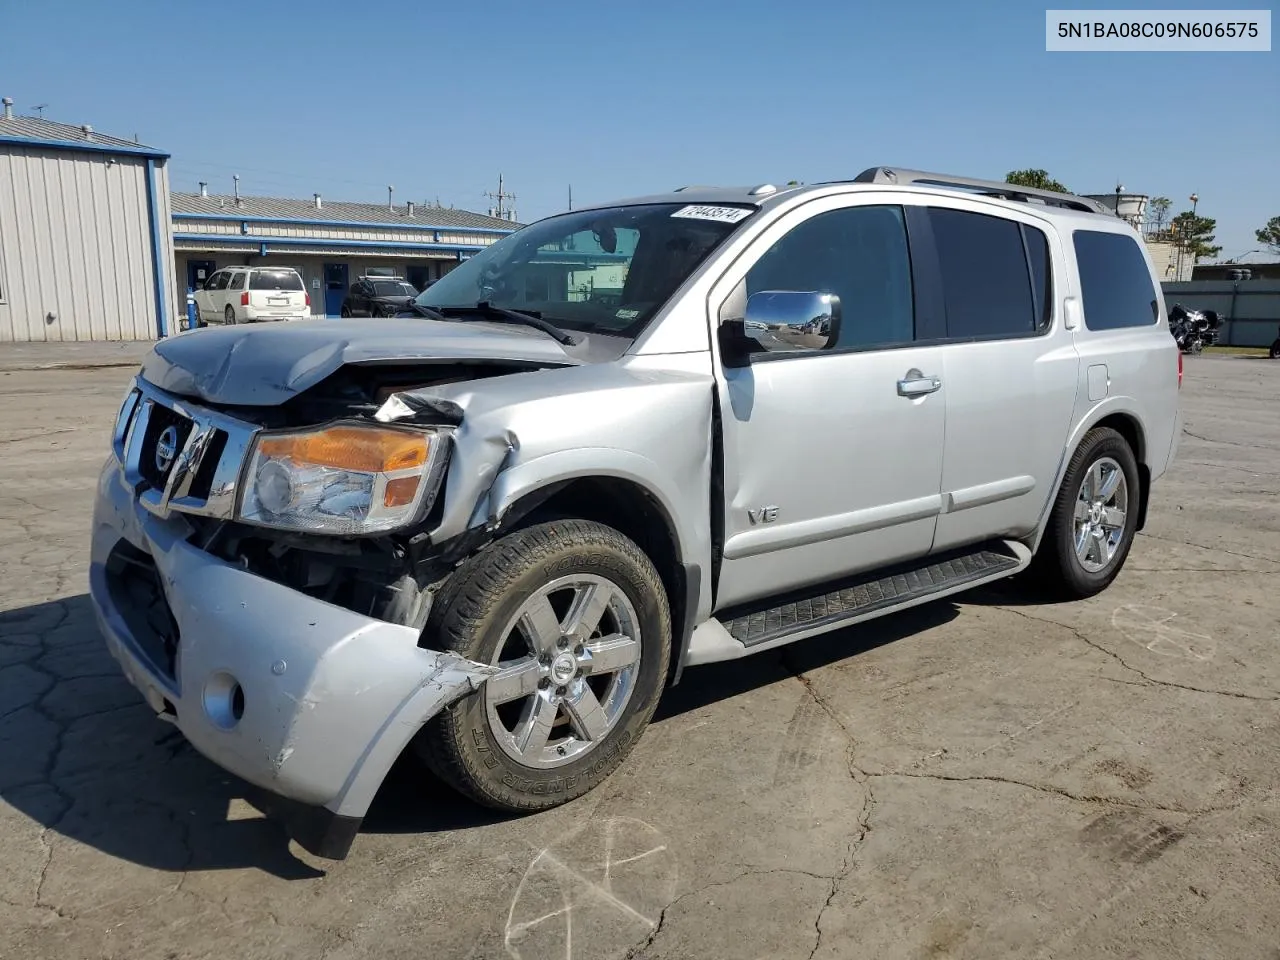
1012, 366
277, 292
833, 456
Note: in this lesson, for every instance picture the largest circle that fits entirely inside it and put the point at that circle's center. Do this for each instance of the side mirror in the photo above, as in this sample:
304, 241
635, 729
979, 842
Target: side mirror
791, 320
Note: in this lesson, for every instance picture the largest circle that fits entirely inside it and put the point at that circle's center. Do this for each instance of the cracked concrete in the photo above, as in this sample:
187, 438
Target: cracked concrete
982, 778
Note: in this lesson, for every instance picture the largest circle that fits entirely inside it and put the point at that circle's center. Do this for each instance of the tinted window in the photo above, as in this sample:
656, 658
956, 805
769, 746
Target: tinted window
1041, 273
218, 281
1115, 282
237, 281
985, 282
275, 280
859, 254
390, 288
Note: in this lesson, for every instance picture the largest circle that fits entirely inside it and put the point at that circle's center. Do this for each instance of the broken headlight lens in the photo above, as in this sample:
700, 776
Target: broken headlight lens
347, 479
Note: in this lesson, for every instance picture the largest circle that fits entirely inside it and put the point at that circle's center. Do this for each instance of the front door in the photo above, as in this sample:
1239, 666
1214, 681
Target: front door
335, 288
832, 457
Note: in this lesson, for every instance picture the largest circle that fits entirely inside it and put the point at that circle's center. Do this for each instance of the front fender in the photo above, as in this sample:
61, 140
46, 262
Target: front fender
679, 486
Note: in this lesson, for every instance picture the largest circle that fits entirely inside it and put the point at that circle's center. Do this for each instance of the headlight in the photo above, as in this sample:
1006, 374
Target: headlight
345, 479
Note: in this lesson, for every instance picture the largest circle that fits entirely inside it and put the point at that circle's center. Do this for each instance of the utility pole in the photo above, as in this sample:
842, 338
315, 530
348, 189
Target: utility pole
502, 211
571, 196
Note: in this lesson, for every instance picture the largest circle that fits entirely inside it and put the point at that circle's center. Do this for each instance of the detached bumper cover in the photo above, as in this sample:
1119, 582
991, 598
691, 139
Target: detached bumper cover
329, 697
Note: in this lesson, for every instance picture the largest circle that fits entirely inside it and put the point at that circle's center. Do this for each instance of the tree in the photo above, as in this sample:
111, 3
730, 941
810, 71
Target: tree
1194, 234
1036, 179
1270, 234
1159, 210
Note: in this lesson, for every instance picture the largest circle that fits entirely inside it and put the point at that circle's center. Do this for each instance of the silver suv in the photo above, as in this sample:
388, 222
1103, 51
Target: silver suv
618, 443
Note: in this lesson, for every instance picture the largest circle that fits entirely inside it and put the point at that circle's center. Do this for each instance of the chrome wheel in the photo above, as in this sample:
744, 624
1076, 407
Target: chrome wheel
1102, 506
568, 660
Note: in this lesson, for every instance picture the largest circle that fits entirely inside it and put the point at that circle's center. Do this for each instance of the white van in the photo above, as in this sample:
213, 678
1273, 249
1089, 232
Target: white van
252, 294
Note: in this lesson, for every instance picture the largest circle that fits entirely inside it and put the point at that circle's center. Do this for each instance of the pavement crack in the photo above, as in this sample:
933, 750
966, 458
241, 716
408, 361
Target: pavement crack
1229, 443
1148, 680
1049, 790
1201, 546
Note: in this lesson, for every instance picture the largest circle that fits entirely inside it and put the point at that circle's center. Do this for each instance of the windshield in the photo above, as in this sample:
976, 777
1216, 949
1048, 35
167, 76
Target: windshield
389, 288
598, 271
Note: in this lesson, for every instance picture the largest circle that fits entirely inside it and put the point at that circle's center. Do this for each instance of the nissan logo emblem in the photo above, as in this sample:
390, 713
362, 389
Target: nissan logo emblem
166, 448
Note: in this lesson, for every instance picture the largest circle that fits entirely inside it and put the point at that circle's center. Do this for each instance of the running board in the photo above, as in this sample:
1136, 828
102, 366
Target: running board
833, 606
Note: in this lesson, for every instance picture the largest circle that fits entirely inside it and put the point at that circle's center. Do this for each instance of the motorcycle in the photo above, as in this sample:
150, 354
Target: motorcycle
1195, 329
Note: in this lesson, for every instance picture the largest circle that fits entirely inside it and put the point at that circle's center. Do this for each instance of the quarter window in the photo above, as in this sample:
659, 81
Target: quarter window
986, 284
237, 281
858, 253
1115, 283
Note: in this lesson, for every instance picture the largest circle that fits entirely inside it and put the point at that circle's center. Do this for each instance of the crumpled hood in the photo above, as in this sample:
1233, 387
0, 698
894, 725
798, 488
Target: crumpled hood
266, 364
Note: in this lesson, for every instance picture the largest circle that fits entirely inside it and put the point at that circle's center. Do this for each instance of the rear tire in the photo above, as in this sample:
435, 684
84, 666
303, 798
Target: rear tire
1275, 350
539, 734
229, 314
1094, 518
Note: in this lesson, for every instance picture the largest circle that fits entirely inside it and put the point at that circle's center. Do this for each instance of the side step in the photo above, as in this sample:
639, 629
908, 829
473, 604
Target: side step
830, 606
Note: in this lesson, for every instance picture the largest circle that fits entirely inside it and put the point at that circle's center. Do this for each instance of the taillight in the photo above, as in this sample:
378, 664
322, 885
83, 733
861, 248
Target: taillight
1179, 369
307, 297
244, 299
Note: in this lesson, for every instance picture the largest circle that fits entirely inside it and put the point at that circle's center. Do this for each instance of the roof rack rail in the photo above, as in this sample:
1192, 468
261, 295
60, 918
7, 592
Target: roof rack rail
991, 188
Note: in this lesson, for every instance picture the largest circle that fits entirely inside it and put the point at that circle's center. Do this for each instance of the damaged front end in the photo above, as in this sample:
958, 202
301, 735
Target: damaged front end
263, 575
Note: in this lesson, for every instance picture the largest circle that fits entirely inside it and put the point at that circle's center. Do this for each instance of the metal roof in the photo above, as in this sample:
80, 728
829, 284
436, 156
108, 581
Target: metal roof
51, 133
331, 212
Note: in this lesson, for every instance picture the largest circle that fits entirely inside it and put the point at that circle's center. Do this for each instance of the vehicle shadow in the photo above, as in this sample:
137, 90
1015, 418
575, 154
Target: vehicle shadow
83, 756
704, 685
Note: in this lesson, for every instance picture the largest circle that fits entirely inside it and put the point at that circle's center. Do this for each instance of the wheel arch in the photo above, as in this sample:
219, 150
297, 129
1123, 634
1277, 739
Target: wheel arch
1125, 420
636, 511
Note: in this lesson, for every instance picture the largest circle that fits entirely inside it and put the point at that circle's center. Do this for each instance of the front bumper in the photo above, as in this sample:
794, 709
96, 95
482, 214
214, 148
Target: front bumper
327, 698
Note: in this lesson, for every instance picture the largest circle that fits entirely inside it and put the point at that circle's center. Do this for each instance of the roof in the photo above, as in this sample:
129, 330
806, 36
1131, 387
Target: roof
49, 133
216, 206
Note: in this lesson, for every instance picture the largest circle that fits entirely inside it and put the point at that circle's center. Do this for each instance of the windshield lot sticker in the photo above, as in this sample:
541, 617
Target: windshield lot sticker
720, 214
627, 314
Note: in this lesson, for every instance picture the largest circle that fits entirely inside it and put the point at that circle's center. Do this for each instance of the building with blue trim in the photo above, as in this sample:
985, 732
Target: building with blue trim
330, 243
86, 249
95, 246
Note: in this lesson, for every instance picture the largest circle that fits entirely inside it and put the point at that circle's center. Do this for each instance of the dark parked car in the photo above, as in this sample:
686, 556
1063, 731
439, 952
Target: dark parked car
377, 297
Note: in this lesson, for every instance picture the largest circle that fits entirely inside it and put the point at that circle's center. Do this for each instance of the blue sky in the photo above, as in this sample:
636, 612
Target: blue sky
617, 100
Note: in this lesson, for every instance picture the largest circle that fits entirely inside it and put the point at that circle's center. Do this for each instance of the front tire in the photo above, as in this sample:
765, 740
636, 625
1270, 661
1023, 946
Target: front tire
576, 618
1094, 518
1275, 350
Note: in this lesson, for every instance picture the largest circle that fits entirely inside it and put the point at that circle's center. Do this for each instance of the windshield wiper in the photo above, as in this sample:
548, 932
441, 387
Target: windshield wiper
427, 311
502, 314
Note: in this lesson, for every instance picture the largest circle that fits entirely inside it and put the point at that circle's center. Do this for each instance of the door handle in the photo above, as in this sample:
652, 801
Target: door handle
916, 384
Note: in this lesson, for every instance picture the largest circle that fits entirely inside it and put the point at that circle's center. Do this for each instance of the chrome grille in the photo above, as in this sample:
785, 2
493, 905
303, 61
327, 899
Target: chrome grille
210, 448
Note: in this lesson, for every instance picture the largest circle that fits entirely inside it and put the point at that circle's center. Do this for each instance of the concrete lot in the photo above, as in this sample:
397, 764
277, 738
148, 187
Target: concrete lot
982, 779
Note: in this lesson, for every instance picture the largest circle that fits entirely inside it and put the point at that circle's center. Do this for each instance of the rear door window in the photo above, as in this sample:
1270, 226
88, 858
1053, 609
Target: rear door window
237, 281
986, 280
1115, 283
275, 280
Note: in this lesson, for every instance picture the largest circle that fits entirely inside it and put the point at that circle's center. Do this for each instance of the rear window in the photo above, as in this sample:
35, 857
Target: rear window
390, 288
1115, 283
274, 280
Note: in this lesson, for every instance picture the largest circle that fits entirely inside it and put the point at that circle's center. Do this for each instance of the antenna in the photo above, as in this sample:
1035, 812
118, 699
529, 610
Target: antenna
501, 211
39, 109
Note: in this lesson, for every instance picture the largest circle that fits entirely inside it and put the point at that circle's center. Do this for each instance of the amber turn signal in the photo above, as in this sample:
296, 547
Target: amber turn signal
367, 449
